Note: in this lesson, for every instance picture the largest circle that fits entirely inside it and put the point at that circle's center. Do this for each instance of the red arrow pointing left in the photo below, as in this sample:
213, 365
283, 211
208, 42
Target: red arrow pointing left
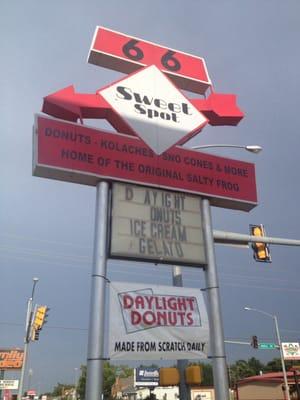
68, 105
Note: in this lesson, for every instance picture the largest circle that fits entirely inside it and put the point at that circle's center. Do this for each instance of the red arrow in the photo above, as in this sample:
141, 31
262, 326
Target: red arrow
220, 109
70, 106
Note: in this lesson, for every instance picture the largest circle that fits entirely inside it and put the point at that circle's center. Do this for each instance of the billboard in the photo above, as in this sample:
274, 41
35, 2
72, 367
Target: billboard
291, 351
80, 154
146, 376
11, 358
156, 225
151, 322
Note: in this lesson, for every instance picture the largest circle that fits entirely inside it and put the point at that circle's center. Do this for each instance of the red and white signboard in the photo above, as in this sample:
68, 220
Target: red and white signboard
291, 351
81, 154
120, 52
154, 322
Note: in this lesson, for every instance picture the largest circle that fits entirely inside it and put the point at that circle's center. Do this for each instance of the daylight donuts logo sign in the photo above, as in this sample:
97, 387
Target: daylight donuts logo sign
144, 310
157, 322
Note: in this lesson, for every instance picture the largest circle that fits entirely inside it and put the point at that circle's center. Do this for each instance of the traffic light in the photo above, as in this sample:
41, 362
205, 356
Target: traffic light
193, 375
254, 342
169, 377
37, 334
40, 317
261, 251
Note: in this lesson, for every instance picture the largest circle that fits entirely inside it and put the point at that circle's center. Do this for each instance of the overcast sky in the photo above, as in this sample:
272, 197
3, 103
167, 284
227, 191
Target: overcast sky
251, 49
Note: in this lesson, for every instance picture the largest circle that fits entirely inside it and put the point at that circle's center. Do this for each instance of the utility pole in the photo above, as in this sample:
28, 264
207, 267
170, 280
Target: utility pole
27, 338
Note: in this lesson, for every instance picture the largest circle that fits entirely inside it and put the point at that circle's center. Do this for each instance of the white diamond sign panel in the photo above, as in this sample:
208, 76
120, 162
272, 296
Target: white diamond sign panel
154, 109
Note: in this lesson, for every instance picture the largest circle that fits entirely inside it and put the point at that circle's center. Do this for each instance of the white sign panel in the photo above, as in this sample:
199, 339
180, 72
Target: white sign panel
154, 109
156, 225
150, 322
291, 351
202, 394
9, 384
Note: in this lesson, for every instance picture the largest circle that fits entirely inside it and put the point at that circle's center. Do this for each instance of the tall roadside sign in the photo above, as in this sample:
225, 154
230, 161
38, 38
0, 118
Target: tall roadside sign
153, 195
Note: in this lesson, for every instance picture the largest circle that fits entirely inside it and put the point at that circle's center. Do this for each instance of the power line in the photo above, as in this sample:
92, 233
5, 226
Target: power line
35, 239
48, 326
150, 273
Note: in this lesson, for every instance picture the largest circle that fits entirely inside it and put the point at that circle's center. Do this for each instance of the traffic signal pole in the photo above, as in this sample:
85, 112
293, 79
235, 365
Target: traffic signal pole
26, 339
217, 348
241, 239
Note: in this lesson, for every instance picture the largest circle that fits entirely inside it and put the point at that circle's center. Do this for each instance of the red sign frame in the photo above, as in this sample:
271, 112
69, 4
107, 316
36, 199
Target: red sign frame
77, 153
124, 53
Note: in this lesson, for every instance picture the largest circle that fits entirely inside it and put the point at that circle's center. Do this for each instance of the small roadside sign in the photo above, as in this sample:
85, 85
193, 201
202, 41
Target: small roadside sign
291, 351
267, 346
9, 384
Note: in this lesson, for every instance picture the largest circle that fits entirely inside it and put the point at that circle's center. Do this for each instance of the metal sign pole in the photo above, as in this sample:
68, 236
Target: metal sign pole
184, 391
286, 385
95, 357
214, 309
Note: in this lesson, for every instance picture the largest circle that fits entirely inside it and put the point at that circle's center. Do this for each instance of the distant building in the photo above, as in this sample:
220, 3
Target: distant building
268, 386
124, 389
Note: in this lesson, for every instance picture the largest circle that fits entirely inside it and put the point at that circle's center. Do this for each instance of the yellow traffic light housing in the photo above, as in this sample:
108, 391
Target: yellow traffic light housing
39, 318
261, 250
169, 377
193, 375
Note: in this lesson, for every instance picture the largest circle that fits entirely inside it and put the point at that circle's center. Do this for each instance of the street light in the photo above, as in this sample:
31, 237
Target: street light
286, 386
27, 337
251, 148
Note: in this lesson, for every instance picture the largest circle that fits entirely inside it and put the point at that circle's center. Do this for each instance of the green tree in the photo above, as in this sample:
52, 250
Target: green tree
241, 369
110, 372
275, 365
60, 389
207, 373
81, 382
256, 365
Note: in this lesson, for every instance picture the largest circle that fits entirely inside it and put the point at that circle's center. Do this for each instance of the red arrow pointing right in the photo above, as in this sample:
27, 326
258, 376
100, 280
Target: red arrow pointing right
219, 108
